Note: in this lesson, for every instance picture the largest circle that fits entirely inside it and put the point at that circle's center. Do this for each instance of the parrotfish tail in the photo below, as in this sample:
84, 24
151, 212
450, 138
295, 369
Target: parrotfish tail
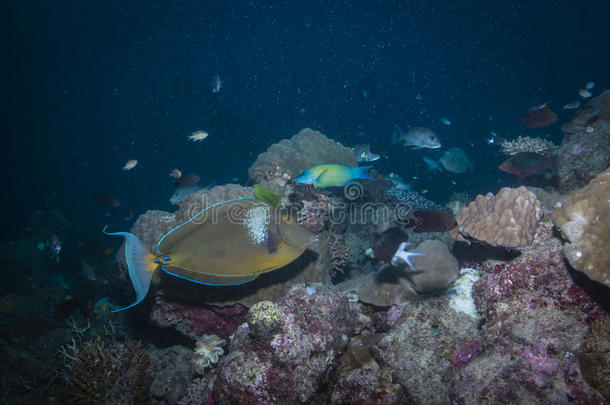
139, 264
362, 172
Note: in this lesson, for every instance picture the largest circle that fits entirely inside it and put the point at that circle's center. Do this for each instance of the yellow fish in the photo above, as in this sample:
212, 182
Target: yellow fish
130, 164
332, 175
228, 243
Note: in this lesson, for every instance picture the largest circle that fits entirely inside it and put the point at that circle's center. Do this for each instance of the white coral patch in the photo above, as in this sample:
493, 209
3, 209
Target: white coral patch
461, 293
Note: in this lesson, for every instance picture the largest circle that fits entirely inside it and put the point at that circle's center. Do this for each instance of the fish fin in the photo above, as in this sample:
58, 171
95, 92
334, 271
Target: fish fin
274, 239
395, 135
320, 176
140, 264
362, 172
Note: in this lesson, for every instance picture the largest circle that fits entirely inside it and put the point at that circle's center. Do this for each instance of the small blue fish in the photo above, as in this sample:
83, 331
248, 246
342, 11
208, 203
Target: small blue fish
332, 175
446, 121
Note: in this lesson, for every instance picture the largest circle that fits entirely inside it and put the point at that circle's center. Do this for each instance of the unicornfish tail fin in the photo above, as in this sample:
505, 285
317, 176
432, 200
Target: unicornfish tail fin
140, 264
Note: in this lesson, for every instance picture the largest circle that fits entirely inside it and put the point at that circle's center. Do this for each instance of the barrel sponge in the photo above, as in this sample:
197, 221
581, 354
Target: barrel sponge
508, 219
306, 149
583, 217
194, 203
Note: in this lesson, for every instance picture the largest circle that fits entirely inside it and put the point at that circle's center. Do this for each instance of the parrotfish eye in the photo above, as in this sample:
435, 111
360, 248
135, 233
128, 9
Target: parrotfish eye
167, 258
157, 261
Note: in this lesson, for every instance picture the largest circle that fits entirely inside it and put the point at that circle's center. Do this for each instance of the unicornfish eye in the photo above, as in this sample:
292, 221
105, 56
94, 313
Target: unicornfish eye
286, 219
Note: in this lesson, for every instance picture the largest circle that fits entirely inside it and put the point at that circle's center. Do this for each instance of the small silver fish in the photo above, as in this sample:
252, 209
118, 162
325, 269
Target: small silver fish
216, 84
495, 139
446, 121
571, 106
418, 138
589, 85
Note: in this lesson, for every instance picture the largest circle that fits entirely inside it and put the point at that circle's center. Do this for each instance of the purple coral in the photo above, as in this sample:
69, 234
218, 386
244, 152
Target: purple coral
195, 321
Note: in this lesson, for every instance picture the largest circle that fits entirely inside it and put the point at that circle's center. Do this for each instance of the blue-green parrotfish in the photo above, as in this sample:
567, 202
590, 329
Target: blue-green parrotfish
228, 243
332, 175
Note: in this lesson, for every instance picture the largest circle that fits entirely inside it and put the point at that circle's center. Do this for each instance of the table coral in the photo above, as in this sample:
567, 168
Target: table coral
584, 219
508, 219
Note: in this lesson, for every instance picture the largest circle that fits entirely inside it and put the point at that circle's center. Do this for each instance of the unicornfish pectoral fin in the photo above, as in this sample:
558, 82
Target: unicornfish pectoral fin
140, 264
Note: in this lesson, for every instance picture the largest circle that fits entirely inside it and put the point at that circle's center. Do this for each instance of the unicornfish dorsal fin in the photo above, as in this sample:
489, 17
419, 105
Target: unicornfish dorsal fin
140, 264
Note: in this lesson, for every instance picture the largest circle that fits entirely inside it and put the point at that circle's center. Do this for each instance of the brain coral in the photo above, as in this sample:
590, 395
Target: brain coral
584, 219
508, 219
304, 150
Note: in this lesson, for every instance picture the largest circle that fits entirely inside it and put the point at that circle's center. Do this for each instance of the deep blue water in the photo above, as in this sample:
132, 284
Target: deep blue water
89, 85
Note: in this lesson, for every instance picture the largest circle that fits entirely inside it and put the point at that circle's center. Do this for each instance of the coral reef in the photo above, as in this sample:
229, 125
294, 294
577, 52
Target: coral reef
306, 149
264, 319
522, 346
208, 350
417, 351
271, 174
435, 270
584, 219
527, 144
173, 372
585, 149
508, 219
194, 321
535, 317
290, 365
340, 253
109, 373
594, 356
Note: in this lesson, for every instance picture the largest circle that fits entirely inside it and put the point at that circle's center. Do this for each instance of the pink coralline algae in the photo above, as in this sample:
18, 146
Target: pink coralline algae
463, 353
196, 321
535, 319
287, 366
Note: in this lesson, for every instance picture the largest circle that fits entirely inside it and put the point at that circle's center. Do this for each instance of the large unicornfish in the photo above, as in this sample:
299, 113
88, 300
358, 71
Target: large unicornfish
228, 243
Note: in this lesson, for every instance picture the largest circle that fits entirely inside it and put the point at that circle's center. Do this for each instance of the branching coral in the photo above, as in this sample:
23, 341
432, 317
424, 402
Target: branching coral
584, 219
527, 144
339, 253
208, 350
101, 372
272, 171
508, 219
